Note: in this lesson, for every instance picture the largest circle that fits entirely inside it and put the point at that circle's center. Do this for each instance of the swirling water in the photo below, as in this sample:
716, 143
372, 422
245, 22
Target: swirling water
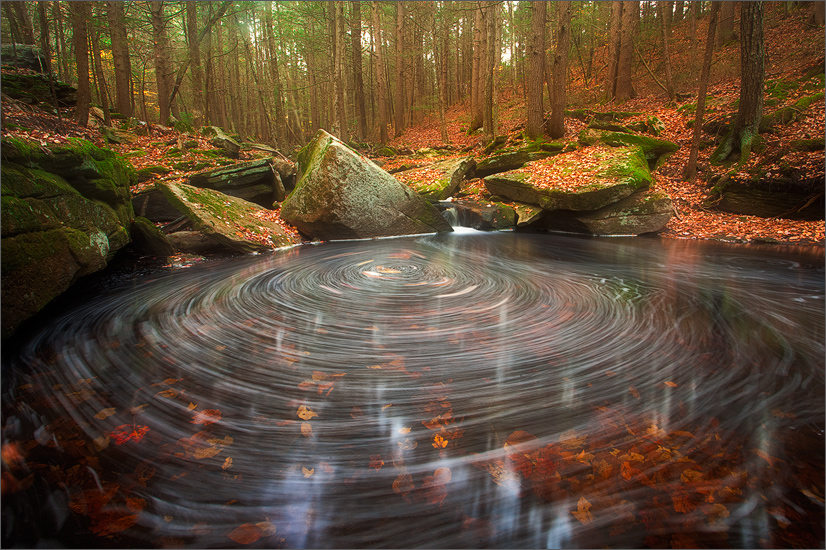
455, 390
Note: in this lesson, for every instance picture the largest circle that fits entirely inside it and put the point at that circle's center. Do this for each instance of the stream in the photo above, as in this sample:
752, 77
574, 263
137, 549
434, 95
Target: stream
461, 390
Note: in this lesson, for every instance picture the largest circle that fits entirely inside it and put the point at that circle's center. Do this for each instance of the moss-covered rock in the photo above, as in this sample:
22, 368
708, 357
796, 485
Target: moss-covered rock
655, 150
482, 216
340, 194
511, 160
438, 181
65, 213
148, 239
255, 181
613, 174
238, 224
637, 214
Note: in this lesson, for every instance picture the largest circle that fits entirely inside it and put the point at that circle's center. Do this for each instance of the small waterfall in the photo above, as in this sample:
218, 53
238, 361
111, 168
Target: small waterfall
451, 214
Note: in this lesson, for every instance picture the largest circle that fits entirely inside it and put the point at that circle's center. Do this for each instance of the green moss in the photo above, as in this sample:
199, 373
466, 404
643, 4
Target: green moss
779, 89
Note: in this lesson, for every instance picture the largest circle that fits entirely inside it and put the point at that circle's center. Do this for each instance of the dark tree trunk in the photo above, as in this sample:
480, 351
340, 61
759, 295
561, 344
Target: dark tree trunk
120, 57
666, 32
399, 108
195, 62
624, 88
163, 73
556, 124
102, 91
340, 73
725, 29
81, 13
382, 84
24, 22
752, 76
488, 121
536, 70
613, 48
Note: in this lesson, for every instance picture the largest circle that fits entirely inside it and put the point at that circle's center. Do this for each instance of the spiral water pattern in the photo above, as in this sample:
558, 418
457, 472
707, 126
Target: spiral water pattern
364, 393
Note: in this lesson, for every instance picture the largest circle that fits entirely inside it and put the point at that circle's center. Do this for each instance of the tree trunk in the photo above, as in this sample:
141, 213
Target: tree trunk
102, 92
60, 42
399, 109
441, 61
275, 77
536, 70
624, 88
559, 100
355, 40
666, 32
488, 122
195, 62
477, 71
693, 15
725, 30
382, 84
613, 48
24, 22
690, 172
120, 57
340, 73
163, 72
47, 52
81, 13
752, 75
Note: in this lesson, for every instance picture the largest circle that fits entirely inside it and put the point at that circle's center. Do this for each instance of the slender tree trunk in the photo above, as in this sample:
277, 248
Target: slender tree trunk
400, 92
536, 70
358, 79
198, 107
614, 35
161, 50
690, 172
477, 70
81, 13
440, 76
382, 84
559, 99
340, 73
60, 42
625, 89
725, 30
666, 32
278, 94
488, 125
120, 57
47, 52
101, 81
24, 22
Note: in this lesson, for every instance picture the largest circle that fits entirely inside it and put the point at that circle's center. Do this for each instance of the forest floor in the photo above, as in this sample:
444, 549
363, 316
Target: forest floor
787, 63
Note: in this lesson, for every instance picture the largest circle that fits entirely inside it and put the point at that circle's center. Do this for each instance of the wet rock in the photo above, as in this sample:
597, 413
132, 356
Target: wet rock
483, 216
340, 194
65, 214
153, 205
195, 242
619, 172
149, 239
438, 181
254, 181
655, 150
238, 224
642, 212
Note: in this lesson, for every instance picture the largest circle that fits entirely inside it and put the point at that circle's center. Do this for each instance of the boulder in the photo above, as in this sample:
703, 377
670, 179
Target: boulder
195, 242
219, 139
339, 194
526, 214
149, 239
587, 179
655, 150
153, 205
65, 213
767, 199
436, 182
23, 56
510, 160
238, 224
254, 181
34, 88
642, 212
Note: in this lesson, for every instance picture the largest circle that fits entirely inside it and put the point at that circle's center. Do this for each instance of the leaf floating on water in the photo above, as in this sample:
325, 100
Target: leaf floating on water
120, 524
305, 414
376, 462
671, 384
408, 445
227, 463
206, 452
105, 413
139, 409
364, 262
126, 432
246, 533
766, 456
207, 417
170, 393
220, 347
387, 406
356, 413
404, 431
439, 442
306, 429
191, 406
267, 527
374, 367
583, 511
307, 471
101, 442
633, 391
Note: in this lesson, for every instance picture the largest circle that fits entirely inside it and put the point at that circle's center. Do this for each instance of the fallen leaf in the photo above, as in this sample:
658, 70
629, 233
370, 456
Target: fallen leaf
267, 528
120, 524
356, 412
306, 429
404, 431
227, 463
126, 432
633, 391
207, 417
439, 442
671, 384
307, 471
305, 414
376, 462
583, 511
246, 533
105, 413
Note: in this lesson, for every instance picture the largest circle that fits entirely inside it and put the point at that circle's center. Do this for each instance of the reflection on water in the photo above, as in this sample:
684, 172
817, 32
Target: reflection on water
501, 390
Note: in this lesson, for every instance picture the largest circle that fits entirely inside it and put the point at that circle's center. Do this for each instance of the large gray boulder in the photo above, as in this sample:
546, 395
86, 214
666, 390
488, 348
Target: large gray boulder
65, 213
586, 179
340, 194
254, 181
232, 222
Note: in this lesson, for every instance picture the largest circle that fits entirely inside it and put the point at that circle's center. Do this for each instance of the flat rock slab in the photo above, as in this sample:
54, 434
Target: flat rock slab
339, 194
240, 225
437, 181
655, 150
255, 181
510, 160
643, 212
586, 179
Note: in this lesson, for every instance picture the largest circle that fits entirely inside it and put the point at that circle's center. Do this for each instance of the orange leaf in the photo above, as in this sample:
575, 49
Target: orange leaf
376, 462
207, 417
246, 533
439, 442
671, 384
105, 413
583, 511
307, 471
306, 429
633, 391
356, 412
227, 463
121, 524
305, 414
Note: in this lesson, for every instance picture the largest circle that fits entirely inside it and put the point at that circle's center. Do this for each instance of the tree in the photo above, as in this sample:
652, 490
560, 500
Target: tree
488, 121
556, 124
358, 80
725, 30
340, 74
163, 71
399, 108
120, 56
690, 171
381, 81
621, 50
24, 22
536, 70
101, 81
81, 12
198, 107
666, 32
752, 74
